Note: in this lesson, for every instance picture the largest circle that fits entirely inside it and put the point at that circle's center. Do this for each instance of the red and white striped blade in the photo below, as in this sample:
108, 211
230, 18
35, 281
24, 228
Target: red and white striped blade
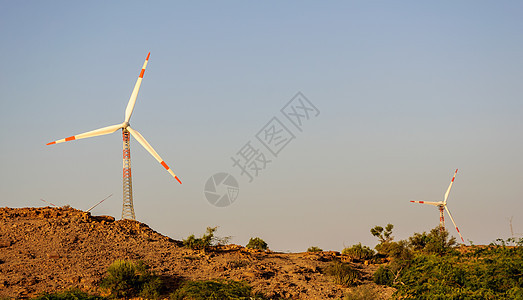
49, 203
450, 186
98, 203
450, 215
96, 132
149, 148
134, 94
427, 202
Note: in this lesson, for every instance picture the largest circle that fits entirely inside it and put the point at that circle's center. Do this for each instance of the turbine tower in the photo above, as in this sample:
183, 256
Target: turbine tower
443, 205
127, 208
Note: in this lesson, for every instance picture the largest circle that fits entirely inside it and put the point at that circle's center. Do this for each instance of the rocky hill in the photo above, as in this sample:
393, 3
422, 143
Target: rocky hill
51, 249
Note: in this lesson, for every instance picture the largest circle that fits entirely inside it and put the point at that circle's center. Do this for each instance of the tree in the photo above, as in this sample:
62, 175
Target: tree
384, 235
438, 242
257, 243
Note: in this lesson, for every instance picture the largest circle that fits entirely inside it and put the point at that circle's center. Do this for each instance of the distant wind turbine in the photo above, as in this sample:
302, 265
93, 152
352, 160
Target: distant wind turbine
98, 203
128, 208
443, 205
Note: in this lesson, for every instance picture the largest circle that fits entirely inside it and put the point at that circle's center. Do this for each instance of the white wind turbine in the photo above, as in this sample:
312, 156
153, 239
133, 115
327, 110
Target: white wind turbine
127, 209
441, 205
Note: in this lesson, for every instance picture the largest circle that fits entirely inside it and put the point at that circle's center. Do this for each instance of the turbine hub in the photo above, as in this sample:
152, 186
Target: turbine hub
125, 125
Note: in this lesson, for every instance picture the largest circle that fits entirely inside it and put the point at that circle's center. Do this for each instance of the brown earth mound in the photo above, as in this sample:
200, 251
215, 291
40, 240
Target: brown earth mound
51, 249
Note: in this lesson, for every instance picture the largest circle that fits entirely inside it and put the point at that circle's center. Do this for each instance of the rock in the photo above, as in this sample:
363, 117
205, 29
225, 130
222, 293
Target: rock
53, 255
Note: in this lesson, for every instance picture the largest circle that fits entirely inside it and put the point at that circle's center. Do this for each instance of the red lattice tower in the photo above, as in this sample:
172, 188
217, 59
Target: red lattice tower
128, 208
441, 219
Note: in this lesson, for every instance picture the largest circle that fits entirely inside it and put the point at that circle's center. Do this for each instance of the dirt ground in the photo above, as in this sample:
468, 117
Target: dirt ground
51, 249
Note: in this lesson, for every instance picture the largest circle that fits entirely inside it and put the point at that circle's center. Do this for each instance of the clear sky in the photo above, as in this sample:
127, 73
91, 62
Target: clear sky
406, 92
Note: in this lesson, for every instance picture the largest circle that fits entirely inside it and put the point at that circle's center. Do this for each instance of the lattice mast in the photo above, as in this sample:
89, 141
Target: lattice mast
441, 219
128, 207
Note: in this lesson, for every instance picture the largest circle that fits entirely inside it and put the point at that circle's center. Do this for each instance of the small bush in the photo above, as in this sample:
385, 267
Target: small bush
359, 252
383, 276
235, 264
213, 289
343, 273
206, 241
151, 287
72, 294
362, 292
126, 279
257, 243
314, 249
202, 243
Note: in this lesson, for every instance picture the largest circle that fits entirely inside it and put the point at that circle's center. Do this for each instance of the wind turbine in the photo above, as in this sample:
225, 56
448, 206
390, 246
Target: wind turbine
90, 208
128, 208
443, 205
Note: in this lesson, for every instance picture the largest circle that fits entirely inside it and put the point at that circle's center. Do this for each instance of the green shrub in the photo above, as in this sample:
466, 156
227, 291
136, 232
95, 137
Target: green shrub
383, 276
314, 249
438, 242
418, 241
72, 294
202, 243
427, 266
206, 241
343, 274
214, 289
362, 292
257, 243
359, 252
151, 287
489, 273
126, 279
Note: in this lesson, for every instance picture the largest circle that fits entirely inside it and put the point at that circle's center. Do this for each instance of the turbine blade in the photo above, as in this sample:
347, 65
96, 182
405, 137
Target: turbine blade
96, 132
49, 203
450, 215
98, 203
450, 186
134, 94
427, 202
149, 148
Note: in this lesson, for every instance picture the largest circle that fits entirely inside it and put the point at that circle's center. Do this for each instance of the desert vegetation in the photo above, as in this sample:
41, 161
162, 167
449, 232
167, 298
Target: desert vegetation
430, 266
314, 249
343, 274
359, 252
257, 243
215, 290
126, 279
206, 241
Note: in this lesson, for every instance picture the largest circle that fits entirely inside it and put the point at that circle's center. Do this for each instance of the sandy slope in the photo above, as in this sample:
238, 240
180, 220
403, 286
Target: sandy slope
49, 249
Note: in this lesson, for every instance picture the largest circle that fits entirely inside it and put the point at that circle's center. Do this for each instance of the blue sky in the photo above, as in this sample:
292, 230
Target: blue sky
407, 92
